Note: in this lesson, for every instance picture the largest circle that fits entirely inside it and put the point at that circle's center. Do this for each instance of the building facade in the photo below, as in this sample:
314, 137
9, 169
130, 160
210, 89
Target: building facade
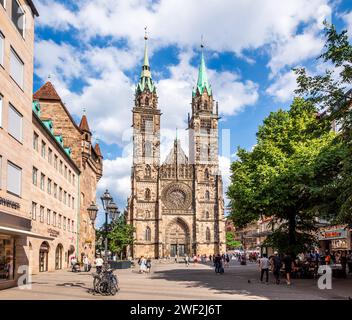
87, 158
177, 206
16, 89
55, 197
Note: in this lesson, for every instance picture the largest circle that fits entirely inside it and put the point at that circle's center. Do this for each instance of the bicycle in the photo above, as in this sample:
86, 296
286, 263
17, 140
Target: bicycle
105, 282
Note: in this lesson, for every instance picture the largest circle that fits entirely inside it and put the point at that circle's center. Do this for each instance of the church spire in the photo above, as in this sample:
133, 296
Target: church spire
202, 82
146, 81
146, 67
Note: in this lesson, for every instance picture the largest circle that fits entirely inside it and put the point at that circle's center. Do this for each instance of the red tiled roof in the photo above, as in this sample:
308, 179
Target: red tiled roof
84, 124
97, 150
47, 92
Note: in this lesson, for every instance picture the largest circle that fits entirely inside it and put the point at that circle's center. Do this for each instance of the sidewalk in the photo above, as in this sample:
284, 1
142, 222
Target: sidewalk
178, 282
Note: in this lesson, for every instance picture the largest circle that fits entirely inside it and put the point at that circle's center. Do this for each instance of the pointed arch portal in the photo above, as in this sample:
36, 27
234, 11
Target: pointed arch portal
177, 238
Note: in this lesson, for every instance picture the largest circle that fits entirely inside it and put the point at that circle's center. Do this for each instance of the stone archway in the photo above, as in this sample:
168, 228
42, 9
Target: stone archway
177, 238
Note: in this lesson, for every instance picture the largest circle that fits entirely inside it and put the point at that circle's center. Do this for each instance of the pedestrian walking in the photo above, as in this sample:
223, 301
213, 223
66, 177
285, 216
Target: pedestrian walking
288, 263
227, 260
187, 260
264, 264
142, 265
149, 264
99, 263
276, 265
176, 258
218, 264
86, 263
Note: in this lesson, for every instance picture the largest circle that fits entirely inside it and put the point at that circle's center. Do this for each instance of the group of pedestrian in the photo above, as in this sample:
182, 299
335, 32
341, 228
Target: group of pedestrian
145, 264
76, 267
275, 264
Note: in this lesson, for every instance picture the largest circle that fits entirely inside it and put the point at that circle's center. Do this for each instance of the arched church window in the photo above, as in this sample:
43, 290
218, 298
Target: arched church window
147, 214
148, 234
207, 215
148, 171
146, 101
147, 194
206, 174
207, 195
207, 234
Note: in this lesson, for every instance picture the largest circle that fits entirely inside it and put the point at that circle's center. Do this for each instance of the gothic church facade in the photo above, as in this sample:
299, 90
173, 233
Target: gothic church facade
176, 206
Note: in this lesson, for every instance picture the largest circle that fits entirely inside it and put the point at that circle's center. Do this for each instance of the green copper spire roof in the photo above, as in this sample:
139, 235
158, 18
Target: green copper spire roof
146, 81
202, 82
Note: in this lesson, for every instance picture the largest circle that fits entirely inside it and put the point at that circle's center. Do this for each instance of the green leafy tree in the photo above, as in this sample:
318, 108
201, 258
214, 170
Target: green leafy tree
231, 243
120, 235
278, 177
330, 91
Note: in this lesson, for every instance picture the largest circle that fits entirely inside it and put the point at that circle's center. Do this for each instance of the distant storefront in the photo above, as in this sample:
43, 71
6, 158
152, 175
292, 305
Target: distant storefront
336, 238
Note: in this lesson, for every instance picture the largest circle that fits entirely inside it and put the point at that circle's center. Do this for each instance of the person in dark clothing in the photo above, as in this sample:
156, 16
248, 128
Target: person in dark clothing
288, 267
218, 264
276, 264
343, 261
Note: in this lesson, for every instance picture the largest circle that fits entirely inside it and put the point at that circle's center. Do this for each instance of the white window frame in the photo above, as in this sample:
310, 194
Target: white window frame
11, 164
0, 171
24, 19
34, 211
42, 212
1, 108
11, 107
14, 54
2, 49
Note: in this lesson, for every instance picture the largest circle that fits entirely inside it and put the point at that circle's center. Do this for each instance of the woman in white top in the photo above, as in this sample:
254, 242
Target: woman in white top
142, 265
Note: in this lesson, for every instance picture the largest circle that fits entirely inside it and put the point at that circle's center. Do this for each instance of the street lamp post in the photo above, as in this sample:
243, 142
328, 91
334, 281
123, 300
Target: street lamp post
110, 209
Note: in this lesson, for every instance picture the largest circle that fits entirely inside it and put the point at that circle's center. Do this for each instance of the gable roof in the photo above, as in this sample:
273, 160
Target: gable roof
47, 92
176, 155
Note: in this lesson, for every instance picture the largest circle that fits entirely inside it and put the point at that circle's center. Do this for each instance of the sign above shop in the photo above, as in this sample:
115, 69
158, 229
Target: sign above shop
332, 234
10, 204
53, 233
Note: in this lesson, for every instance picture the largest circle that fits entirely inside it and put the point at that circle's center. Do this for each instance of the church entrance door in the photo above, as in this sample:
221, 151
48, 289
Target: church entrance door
177, 239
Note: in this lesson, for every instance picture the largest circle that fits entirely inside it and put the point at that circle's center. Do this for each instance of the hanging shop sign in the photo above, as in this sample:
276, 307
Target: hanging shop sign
331, 234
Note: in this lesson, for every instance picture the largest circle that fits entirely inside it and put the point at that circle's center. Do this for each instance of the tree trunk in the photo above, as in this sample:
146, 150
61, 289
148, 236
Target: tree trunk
292, 231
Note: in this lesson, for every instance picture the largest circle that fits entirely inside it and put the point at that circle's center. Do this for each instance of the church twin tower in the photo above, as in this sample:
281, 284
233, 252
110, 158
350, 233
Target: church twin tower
176, 207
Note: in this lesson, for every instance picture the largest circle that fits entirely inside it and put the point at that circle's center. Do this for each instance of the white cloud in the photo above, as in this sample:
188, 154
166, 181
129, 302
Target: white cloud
348, 21
283, 88
227, 25
294, 50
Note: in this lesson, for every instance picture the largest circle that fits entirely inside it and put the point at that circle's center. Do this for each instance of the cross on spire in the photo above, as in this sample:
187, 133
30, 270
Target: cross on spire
146, 33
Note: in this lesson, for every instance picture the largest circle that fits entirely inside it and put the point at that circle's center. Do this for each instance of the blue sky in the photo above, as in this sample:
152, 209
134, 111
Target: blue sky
93, 51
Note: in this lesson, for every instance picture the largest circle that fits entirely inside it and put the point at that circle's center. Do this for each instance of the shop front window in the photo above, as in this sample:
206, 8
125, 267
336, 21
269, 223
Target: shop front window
7, 246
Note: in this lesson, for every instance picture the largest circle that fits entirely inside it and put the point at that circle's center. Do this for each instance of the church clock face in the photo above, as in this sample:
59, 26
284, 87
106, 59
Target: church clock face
177, 196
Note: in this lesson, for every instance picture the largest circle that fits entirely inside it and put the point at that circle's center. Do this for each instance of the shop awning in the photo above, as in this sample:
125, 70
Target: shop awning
20, 232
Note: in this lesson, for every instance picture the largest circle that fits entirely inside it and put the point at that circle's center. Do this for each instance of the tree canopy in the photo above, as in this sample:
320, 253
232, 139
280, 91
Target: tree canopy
331, 92
120, 235
281, 176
